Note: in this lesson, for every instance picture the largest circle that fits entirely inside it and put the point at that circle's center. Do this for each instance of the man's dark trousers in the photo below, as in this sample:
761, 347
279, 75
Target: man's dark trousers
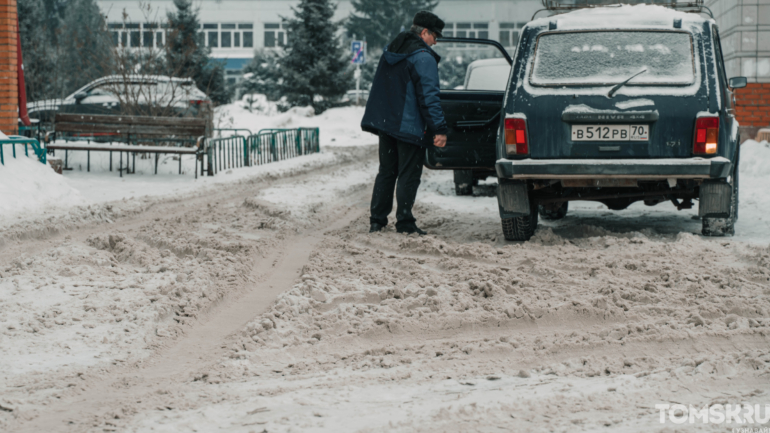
400, 167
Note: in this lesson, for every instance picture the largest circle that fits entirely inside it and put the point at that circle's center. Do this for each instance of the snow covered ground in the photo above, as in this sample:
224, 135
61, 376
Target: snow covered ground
258, 301
39, 194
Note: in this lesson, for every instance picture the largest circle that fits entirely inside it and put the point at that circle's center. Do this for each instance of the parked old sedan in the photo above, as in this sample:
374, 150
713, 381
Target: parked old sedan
133, 94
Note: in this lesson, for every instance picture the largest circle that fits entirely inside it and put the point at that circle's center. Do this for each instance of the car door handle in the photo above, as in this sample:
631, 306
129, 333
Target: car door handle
470, 124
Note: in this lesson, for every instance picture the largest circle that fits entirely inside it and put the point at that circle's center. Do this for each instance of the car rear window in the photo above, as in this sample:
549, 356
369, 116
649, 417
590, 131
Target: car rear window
611, 57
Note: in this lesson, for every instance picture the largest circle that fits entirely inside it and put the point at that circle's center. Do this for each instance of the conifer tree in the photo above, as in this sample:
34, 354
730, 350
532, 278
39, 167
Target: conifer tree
85, 46
188, 57
380, 21
315, 68
264, 75
64, 45
38, 50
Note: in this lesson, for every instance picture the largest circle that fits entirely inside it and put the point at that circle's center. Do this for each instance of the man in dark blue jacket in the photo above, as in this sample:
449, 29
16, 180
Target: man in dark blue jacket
404, 109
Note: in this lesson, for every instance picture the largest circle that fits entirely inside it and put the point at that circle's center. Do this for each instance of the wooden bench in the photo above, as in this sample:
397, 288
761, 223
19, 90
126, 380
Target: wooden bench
139, 128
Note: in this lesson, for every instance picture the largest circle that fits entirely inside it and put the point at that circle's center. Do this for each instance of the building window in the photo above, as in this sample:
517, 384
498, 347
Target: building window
247, 33
147, 39
153, 35
134, 35
509, 33
226, 34
212, 35
466, 30
275, 35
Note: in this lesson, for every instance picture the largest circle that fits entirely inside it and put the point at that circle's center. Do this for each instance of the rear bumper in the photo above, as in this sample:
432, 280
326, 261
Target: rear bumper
679, 168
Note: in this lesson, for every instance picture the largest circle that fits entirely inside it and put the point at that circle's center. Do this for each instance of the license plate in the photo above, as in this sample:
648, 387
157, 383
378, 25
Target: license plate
610, 132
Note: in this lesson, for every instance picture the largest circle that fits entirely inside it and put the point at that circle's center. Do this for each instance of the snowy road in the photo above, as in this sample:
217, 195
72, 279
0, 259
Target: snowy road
265, 305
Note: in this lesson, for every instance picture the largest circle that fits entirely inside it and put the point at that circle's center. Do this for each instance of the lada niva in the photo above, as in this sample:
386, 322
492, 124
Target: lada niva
614, 104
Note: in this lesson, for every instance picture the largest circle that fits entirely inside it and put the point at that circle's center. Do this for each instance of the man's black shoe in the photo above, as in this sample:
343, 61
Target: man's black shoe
412, 229
376, 227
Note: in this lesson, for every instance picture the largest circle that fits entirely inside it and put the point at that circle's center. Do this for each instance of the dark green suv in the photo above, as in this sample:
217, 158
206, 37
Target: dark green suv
614, 105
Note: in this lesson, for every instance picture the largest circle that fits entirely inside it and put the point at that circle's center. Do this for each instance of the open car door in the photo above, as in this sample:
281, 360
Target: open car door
473, 118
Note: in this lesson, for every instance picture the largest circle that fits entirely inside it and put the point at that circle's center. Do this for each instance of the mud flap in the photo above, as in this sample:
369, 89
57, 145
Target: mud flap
463, 177
513, 199
715, 199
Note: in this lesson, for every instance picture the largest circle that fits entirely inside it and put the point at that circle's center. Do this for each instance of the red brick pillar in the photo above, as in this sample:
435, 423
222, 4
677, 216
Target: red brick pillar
752, 109
9, 98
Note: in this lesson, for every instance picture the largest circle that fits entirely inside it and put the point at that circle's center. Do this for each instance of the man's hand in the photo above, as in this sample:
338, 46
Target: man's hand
439, 140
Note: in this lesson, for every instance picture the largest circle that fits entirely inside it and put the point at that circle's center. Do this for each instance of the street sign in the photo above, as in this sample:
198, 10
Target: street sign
358, 49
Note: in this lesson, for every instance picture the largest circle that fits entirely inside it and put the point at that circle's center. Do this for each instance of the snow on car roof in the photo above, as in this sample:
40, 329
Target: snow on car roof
623, 16
141, 78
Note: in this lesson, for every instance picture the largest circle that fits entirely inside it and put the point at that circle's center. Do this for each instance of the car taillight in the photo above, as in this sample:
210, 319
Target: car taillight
198, 101
706, 136
516, 137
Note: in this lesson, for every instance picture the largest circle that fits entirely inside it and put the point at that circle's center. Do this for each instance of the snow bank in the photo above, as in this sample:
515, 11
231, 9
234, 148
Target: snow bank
339, 126
755, 159
28, 186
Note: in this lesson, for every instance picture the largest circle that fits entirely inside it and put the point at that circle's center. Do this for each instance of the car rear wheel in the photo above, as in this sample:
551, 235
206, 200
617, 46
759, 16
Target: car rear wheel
725, 226
553, 212
520, 228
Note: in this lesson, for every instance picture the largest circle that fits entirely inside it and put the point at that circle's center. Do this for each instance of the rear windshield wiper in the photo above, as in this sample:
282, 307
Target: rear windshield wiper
618, 86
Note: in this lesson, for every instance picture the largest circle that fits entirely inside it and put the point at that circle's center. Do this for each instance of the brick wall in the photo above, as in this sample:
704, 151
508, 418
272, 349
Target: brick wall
752, 108
9, 99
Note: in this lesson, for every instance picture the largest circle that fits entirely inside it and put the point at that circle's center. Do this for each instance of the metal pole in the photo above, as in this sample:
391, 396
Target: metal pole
358, 82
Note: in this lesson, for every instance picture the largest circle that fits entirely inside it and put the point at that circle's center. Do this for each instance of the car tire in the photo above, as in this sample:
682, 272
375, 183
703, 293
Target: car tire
464, 182
725, 226
553, 214
520, 228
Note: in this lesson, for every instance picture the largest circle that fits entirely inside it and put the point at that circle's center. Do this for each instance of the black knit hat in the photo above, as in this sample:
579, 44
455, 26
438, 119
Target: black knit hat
430, 21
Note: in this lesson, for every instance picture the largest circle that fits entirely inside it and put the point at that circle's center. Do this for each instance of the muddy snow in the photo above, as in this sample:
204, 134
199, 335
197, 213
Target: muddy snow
262, 303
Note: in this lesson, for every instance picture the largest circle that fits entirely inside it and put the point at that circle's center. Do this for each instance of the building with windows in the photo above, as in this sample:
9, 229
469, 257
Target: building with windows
233, 29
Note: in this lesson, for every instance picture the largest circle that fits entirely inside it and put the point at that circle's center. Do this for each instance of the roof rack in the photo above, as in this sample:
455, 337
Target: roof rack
562, 6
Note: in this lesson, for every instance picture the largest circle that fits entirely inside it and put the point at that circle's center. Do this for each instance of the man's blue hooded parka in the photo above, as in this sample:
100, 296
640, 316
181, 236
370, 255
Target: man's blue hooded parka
404, 100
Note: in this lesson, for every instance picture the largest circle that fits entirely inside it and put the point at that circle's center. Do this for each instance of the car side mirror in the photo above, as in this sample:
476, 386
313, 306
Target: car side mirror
80, 96
738, 82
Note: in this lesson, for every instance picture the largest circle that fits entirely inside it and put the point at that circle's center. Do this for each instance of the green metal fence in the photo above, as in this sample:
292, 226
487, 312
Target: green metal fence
13, 140
268, 145
224, 153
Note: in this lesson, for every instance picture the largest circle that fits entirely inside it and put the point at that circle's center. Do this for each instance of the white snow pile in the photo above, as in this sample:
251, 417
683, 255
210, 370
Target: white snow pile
257, 102
755, 158
28, 186
338, 126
